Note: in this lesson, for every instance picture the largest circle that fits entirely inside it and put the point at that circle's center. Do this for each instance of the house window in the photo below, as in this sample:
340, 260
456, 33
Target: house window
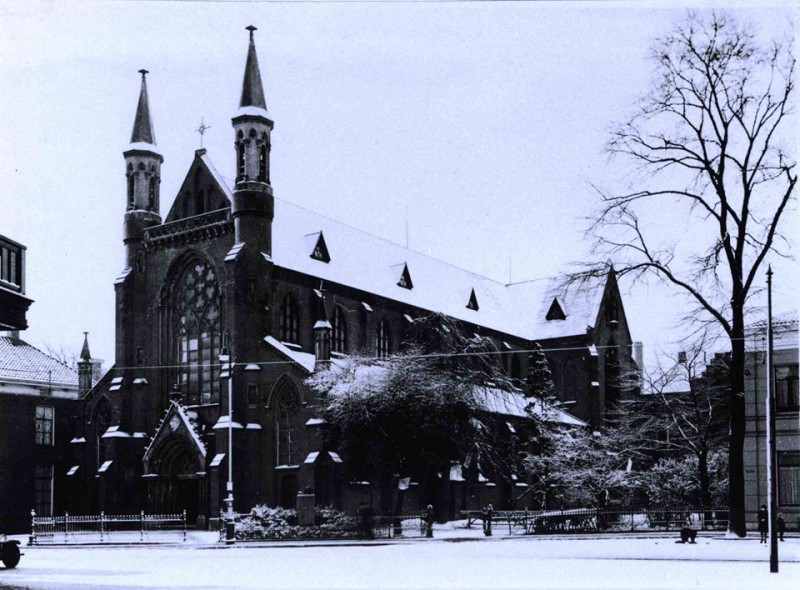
383, 347
339, 331
10, 271
789, 479
45, 417
198, 333
786, 393
43, 490
288, 326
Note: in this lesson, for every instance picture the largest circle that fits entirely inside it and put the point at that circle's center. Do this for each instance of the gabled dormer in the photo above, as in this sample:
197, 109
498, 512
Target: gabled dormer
404, 280
556, 311
473, 301
319, 250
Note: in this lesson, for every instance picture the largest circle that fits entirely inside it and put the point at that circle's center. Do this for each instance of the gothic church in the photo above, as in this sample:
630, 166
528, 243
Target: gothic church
282, 290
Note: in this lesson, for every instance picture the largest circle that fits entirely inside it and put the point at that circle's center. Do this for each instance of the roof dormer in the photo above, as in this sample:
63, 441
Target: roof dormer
405, 278
473, 301
556, 312
320, 249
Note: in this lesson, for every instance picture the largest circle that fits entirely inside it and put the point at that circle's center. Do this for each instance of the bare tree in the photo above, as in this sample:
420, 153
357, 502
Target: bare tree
706, 141
682, 411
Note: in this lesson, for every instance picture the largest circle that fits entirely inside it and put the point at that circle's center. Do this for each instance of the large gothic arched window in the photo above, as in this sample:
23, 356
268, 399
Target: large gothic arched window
338, 331
288, 326
198, 333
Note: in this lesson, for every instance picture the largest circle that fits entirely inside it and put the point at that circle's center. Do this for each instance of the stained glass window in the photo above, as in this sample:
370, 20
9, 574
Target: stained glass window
198, 333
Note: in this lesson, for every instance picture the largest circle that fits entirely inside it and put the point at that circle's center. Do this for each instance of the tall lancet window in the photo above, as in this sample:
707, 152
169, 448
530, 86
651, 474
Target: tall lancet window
198, 333
130, 187
288, 326
339, 331
240, 167
151, 194
384, 346
262, 161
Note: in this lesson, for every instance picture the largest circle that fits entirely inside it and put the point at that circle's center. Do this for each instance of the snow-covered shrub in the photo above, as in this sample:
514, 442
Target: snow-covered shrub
265, 522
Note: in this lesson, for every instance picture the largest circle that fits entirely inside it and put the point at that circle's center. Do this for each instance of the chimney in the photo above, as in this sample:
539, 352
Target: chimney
638, 354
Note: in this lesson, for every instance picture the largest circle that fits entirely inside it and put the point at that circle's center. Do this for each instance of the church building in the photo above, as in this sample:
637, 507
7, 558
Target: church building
233, 270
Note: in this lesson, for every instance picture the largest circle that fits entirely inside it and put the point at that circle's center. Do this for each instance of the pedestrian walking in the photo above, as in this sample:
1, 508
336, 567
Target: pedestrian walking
781, 526
488, 512
763, 519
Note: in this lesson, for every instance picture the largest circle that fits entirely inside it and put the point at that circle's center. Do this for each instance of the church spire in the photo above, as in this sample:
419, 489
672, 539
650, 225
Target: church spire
142, 124
85, 354
252, 89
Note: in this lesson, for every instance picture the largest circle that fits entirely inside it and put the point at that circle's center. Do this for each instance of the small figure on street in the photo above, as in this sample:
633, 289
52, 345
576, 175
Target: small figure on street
688, 534
365, 520
763, 519
781, 526
429, 521
488, 512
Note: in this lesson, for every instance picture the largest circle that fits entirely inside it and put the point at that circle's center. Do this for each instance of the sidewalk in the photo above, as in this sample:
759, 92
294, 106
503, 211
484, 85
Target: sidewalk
453, 532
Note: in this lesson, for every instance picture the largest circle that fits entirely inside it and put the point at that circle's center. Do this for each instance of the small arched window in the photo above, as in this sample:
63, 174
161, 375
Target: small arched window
289, 317
384, 346
339, 331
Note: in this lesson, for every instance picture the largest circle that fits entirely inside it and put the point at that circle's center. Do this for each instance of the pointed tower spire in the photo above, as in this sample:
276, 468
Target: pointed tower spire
252, 89
85, 368
85, 354
142, 124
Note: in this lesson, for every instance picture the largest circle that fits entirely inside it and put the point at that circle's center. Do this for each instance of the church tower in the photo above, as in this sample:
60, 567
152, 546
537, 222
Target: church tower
253, 204
143, 175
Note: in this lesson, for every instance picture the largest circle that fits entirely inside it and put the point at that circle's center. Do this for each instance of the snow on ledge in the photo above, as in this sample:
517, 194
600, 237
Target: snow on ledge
251, 111
223, 423
304, 359
144, 147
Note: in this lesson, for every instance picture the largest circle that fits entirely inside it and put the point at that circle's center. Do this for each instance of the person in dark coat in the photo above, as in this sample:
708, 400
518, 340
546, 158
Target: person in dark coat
488, 512
429, 521
763, 520
781, 526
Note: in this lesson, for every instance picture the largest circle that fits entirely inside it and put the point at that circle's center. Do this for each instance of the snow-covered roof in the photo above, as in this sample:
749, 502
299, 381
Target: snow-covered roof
375, 265
20, 361
511, 403
304, 359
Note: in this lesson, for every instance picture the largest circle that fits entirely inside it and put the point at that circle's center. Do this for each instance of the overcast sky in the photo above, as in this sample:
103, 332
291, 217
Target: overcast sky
477, 126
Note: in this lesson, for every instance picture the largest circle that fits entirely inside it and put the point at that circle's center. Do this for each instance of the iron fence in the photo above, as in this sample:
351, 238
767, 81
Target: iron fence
103, 528
596, 520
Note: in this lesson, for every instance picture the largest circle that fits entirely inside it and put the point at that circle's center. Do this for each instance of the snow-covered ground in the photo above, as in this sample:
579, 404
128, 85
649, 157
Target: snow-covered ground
497, 563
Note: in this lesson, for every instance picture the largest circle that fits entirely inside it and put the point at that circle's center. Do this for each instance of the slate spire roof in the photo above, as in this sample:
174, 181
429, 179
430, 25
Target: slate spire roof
252, 89
142, 124
85, 354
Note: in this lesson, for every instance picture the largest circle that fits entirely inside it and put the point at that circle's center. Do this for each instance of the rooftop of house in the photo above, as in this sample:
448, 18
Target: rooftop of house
19, 361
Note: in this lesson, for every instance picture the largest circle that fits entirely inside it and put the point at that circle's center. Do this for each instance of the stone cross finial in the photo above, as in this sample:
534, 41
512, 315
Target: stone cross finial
251, 28
143, 72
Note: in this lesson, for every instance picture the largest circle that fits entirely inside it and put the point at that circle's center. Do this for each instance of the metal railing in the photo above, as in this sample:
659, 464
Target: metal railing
103, 528
596, 520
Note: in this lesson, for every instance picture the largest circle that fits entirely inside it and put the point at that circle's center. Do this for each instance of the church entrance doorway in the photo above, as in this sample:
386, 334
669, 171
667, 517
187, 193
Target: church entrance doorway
173, 482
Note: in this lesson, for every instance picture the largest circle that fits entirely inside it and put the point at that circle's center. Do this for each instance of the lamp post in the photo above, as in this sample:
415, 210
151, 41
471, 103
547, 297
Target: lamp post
772, 487
227, 371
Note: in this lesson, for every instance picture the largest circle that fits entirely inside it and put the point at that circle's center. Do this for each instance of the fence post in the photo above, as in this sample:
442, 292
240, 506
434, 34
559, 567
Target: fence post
141, 530
184, 524
32, 538
102, 524
632, 517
